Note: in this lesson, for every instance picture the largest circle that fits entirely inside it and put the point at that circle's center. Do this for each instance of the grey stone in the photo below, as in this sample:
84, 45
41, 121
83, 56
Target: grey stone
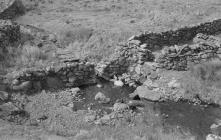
101, 98
4, 96
120, 107
145, 92
15, 82
24, 86
118, 83
213, 137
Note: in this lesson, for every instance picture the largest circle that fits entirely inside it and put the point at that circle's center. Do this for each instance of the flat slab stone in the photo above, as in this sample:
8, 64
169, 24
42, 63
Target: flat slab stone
145, 92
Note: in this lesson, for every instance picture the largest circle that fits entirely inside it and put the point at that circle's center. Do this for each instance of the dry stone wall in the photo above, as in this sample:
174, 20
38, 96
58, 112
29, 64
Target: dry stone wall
126, 59
70, 74
142, 48
204, 47
156, 41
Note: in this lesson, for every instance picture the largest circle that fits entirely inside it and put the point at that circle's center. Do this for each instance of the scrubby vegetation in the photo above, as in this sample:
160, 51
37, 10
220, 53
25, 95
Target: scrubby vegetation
204, 82
24, 56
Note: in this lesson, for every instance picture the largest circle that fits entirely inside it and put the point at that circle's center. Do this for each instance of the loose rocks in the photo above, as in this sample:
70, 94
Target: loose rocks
101, 98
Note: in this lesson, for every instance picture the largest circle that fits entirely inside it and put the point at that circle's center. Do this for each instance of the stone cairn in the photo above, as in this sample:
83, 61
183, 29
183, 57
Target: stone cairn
204, 47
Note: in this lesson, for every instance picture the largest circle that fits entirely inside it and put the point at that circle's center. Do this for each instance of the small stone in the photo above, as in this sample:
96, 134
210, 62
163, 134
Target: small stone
3, 96
173, 84
90, 118
75, 90
23, 86
145, 92
213, 137
120, 107
99, 85
135, 42
154, 75
15, 82
72, 79
101, 98
143, 46
118, 83
138, 69
132, 38
52, 37
136, 103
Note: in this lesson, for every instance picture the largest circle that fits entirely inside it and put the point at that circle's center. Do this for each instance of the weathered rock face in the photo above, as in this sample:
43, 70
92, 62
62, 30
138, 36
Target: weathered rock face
178, 57
71, 74
9, 33
11, 8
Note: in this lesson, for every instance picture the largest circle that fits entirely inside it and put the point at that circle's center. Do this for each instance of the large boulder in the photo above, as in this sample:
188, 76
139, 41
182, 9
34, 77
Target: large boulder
11, 8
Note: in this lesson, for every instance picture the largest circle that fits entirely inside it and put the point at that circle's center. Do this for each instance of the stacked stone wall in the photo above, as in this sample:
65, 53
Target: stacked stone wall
133, 57
126, 59
156, 41
204, 47
70, 74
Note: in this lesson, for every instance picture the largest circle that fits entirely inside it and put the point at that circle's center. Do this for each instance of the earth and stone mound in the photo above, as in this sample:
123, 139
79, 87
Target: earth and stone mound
10, 9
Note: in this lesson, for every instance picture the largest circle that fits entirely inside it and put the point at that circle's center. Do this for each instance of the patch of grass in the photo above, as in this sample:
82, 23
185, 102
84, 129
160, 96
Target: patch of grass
24, 57
137, 132
208, 72
203, 82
